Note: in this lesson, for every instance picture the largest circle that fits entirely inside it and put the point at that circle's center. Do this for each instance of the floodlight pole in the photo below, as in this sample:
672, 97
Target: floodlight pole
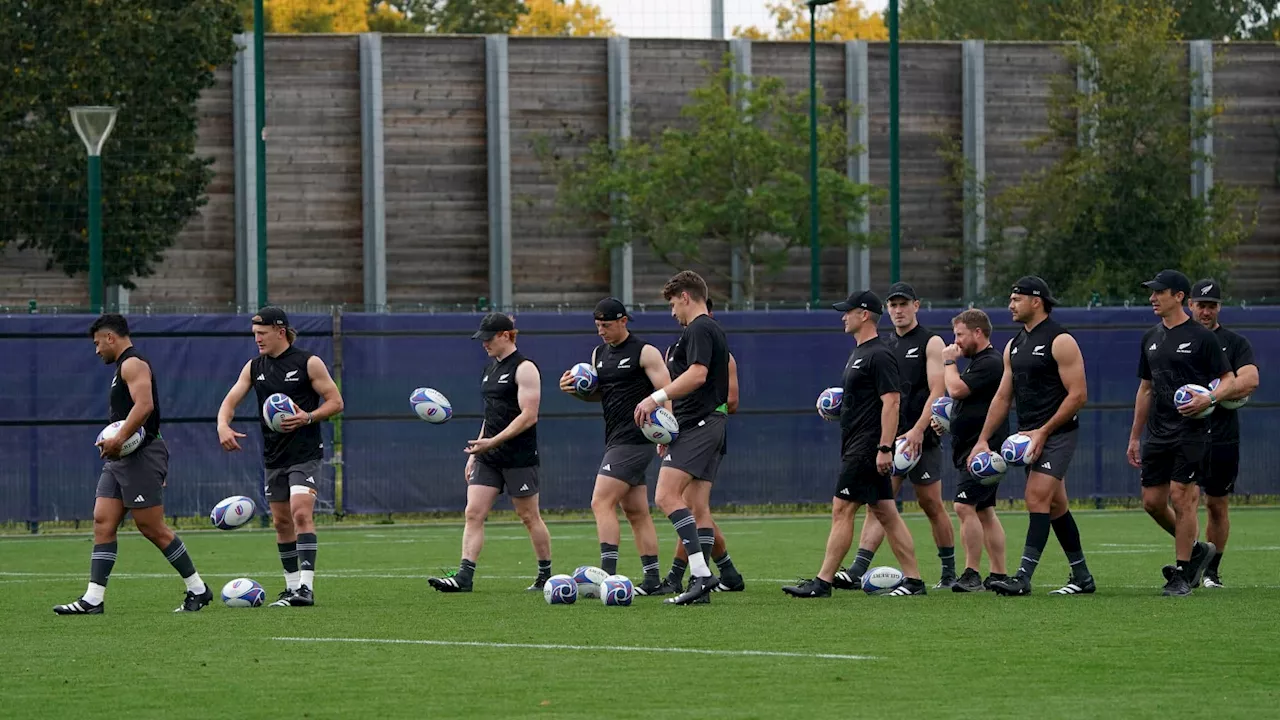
260, 145
94, 124
815, 247
895, 206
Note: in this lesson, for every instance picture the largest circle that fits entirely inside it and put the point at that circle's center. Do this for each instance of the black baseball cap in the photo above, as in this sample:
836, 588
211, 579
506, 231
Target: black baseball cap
864, 299
1035, 287
901, 289
273, 316
1170, 280
492, 324
1207, 290
611, 308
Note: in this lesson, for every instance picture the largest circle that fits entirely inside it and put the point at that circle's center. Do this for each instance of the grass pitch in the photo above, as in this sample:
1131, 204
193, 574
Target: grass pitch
381, 644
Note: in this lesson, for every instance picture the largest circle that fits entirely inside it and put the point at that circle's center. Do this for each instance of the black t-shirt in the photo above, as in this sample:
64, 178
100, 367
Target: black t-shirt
911, 350
287, 373
623, 384
1171, 358
702, 343
501, 406
982, 375
1037, 385
1224, 424
120, 401
872, 371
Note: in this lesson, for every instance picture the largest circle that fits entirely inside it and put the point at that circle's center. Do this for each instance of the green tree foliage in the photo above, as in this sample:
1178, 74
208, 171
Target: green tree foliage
1051, 19
471, 17
150, 58
738, 175
1116, 208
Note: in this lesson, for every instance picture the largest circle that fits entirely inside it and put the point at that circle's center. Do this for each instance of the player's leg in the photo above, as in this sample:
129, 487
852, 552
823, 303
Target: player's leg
635, 504
993, 536
150, 522
926, 478
1192, 463
1039, 496
886, 511
1068, 534
108, 511
868, 544
276, 490
730, 579
1222, 471
302, 505
605, 498
839, 540
522, 484
710, 539
696, 454
484, 486
1157, 468
972, 539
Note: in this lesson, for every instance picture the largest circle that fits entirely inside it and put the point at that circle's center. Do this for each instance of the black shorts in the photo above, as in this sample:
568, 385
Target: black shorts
1219, 479
1056, 454
137, 479
627, 463
516, 482
970, 491
861, 482
929, 469
299, 479
698, 450
1179, 461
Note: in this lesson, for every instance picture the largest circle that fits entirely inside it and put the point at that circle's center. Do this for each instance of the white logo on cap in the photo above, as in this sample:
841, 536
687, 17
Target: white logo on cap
1206, 289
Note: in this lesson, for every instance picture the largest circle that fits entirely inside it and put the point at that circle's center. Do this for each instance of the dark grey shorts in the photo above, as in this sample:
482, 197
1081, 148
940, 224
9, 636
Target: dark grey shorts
137, 480
516, 482
698, 450
282, 481
627, 463
1055, 456
929, 470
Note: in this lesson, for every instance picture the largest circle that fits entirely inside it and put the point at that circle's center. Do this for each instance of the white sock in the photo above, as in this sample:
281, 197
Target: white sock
194, 583
308, 578
94, 593
698, 565
291, 580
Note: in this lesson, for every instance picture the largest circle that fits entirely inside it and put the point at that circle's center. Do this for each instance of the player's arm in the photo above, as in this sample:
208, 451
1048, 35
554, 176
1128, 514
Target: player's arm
1141, 410
529, 396
937, 386
137, 377
694, 377
227, 410
889, 417
998, 410
732, 403
1071, 370
957, 388
1246, 382
326, 388
655, 368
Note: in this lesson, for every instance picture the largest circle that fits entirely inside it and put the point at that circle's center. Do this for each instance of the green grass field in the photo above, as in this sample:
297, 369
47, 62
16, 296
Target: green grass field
381, 644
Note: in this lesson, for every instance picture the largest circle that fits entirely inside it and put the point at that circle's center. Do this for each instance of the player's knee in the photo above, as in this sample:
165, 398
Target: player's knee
529, 515
153, 531
1217, 507
965, 512
475, 514
1154, 505
283, 523
601, 505
668, 500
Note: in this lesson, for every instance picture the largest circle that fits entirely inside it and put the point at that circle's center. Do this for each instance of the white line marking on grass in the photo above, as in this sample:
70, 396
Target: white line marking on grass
596, 648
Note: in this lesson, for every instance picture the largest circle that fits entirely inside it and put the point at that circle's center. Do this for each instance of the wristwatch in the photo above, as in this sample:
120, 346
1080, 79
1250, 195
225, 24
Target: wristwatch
948, 362
885, 448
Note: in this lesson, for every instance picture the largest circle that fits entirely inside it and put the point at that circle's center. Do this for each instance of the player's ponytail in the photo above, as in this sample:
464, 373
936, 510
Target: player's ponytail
290, 334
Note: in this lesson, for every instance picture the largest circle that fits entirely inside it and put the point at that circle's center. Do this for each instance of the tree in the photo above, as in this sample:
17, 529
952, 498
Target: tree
845, 20
737, 176
563, 19
386, 17
151, 59
472, 17
1117, 208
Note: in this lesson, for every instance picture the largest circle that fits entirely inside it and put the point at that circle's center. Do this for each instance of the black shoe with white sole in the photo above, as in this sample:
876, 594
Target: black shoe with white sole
699, 587
302, 597
80, 607
651, 586
909, 586
968, 582
282, 600
449, 584
1212, 580
1201, 555
1177, 586
194, 602
731, 582
815, 588
844, 580
1015, 586
1077, 586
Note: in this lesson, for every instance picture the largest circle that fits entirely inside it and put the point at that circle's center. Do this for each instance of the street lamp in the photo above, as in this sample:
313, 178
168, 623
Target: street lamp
93, 124
814, 246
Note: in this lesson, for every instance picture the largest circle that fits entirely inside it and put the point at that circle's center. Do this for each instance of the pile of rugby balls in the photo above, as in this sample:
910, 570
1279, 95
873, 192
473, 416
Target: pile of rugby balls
589, 581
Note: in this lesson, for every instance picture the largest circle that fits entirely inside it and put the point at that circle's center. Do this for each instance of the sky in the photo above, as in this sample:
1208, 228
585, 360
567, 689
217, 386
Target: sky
690, 18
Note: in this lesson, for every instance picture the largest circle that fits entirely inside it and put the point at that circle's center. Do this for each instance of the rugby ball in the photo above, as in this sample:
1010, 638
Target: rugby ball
1229, 404
133, 443
1183, 395
881, 580
589, 579
988, 467
942, 411
661, 428
903, 459
277, 409
560, 590
431, 405
243, 592
829, 404
617, 591
1014, 449
232, 512
584, 379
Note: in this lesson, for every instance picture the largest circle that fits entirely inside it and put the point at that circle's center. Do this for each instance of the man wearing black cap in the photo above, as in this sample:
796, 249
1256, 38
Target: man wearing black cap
293, 457
1167, 441
1224, 424
868, 426
1044, 374
505, 455
629, 370
920, 377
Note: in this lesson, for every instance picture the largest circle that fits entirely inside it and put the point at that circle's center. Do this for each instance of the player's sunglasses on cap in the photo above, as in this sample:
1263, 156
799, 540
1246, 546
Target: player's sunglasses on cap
1170, 280
492, 324
610, 308
1034, 287
865, 300
273, 316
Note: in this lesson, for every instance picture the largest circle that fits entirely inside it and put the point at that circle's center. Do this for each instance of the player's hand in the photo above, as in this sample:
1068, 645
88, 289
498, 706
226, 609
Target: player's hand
662, 450
483, 445
978, 447
470, 469
884, 462
1134, 453
644, 410
1196, 405
952, 353
110, 448
1035, 446
227, 438
915, 438
937, 427
566, 382
293, 422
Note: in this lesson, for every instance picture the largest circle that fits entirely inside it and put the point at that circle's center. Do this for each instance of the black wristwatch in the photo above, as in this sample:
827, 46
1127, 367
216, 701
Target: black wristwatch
948, 362
885, 448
